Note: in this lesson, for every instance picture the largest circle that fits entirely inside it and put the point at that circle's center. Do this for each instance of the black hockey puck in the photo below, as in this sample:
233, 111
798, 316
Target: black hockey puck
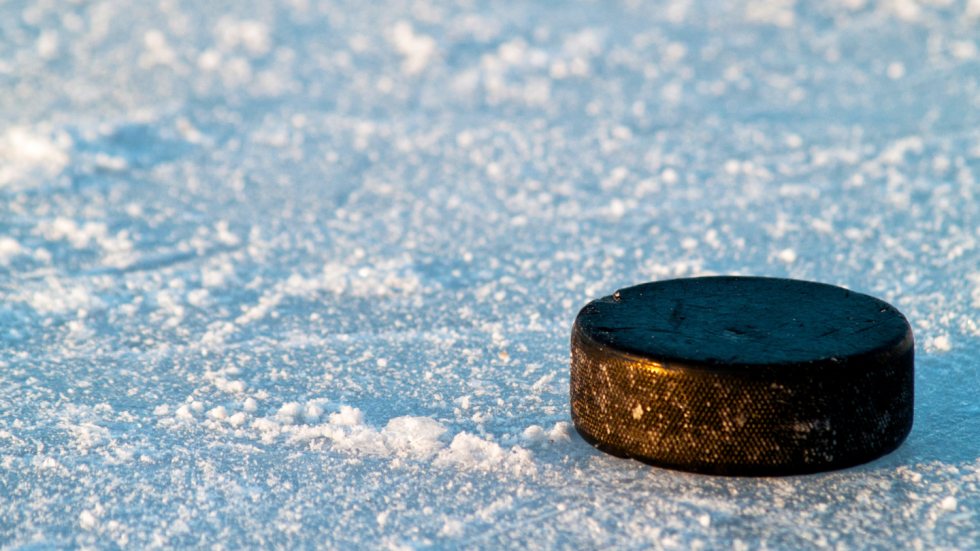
742, 375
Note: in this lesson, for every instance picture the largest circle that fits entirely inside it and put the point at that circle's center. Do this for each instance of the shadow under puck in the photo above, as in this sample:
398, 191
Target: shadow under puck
742, 375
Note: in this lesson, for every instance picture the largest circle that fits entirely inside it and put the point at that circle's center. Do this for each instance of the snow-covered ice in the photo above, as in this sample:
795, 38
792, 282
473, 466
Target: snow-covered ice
301, 274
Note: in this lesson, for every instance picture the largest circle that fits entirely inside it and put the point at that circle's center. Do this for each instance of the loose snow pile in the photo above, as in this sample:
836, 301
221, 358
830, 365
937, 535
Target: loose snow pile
302, 273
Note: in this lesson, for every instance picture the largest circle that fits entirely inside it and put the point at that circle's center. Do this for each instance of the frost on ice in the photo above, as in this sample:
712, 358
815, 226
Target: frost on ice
299, 274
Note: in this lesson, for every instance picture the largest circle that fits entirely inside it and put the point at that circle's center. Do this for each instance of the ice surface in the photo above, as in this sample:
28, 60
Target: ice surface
301, 274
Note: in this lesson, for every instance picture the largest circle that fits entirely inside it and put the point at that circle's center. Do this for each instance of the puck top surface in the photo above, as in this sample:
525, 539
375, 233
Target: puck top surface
739, 322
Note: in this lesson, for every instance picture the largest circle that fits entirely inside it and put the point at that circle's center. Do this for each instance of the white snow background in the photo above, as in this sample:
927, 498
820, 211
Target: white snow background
301, 274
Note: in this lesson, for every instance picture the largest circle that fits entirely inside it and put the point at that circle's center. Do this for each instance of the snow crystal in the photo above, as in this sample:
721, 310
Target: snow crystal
561, 431
472, 452
417, 49
24, 151
219, 413
347, 416
419, 436
87, 520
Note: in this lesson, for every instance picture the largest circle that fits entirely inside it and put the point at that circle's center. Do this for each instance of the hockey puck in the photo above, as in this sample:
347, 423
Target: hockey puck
742, 375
